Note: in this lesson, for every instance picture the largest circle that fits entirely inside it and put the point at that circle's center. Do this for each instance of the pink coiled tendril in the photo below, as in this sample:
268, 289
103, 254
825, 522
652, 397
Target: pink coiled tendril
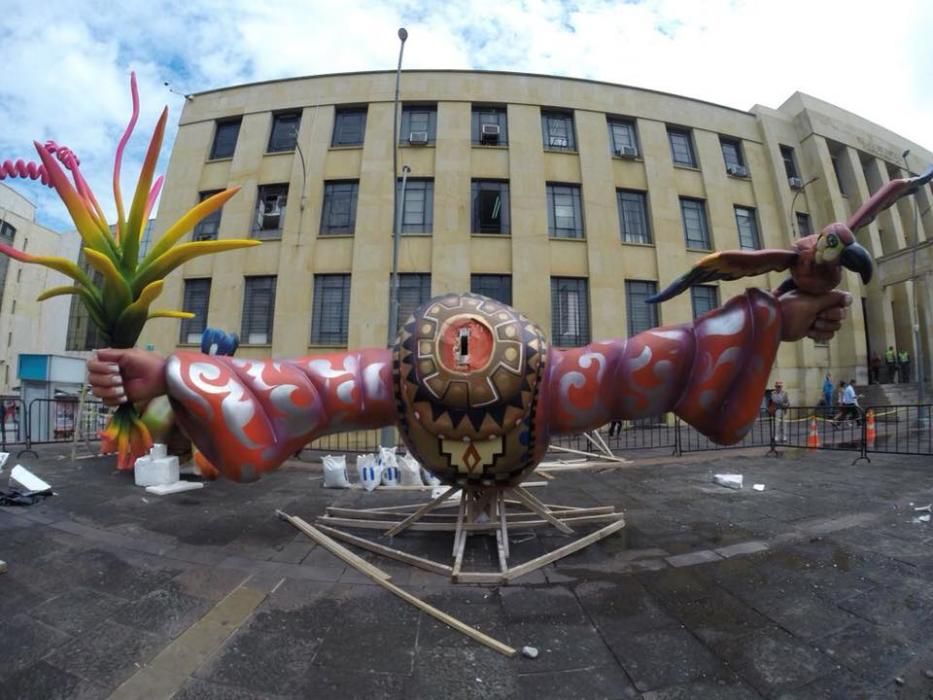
36, 171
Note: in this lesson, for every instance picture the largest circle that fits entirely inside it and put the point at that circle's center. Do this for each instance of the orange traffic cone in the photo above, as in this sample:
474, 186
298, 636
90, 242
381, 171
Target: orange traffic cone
870, 428
813, 439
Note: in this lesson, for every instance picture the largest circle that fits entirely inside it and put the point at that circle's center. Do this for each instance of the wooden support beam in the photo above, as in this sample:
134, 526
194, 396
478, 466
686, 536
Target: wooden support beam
337, 550
430, 505
589, 454
535, 505
404, 557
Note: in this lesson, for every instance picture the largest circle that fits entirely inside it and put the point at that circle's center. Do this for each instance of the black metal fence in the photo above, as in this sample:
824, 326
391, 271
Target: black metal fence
45, 421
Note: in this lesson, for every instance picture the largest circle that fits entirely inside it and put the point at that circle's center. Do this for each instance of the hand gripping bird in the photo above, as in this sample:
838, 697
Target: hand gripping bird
815, 262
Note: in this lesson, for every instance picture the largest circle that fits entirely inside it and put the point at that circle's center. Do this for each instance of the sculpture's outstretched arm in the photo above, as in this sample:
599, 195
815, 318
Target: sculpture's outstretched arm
248, 416
712, 372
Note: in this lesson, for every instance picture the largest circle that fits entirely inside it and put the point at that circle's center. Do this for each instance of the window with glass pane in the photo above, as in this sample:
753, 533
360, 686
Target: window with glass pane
258, 310
633, 216
490, 206
338, 215
413, 291
208, 228
418, 207
705, 297
731, 153
349, 127
790, 164
226, 133
270, 211
498, 287
641, 315
565, 211
696, 230
622, 137
330, 316
494, 119
7, 236
681, 147
570, 311
196, 300
419, 124
747, 224
804, 228
557, 128
284, 134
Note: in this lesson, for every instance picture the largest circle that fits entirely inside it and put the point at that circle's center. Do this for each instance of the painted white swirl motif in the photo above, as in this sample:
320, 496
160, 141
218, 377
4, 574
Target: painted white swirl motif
236, 407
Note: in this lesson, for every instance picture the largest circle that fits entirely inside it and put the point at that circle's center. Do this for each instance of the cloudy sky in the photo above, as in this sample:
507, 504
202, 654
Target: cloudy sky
66, 63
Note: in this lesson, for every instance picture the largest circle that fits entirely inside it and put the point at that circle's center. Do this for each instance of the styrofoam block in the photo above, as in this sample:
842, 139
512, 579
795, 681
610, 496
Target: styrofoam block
177, 487
730, 481
25, 479
4, 456
156, 472
158, 451
758, 487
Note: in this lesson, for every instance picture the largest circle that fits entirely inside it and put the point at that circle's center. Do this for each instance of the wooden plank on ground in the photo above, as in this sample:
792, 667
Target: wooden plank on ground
420, 562
339, 551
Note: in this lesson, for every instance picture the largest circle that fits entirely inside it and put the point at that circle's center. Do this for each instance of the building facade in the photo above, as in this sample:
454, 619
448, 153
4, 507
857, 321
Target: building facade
26, 325
572, 200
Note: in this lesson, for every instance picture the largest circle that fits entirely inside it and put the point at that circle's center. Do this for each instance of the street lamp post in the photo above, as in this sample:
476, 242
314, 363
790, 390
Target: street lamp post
918, 348
388, 433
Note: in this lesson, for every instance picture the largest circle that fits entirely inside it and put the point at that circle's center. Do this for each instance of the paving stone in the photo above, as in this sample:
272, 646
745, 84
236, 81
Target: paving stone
607, 681
621, 608
42, 680
704, 690
717, 617
806, 617
555, 603
209, 583
26, 640
462, 674
662, 658
478, 607
166, 611
693, 558
78, 610
560, 646
741, 548
873, 653
196, 689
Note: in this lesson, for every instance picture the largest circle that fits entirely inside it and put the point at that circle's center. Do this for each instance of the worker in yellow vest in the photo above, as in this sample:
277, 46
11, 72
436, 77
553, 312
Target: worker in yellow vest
890, 359
903, 359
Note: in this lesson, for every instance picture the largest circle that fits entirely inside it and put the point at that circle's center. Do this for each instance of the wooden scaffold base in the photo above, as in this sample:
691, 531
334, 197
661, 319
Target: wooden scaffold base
484, 510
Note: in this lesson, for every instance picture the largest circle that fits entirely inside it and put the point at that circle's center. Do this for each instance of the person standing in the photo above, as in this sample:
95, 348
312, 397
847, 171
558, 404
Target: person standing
828, 394
890, 359
903, 361
850, 407
615, 428
781, 402
875, 368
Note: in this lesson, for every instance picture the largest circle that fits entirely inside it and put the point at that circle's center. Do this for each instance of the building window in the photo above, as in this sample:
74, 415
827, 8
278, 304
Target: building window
414, 289
197, 298
270, 211
790, 163
705, 297
570, 312
622, 138
641, 315
564, 211
338, 215
804, 228
208, 228
419, 124
557, 129
330, 318
284, 134
418, 207
489, 126
732, 156
349, 127
696, 230
258, 310
225, 137
633, 216
498, 287
681, 147
7, 236
490, 206
747, 223
83, 333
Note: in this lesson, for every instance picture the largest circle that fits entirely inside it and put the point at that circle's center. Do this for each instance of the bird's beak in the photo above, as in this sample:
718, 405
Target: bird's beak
857, 259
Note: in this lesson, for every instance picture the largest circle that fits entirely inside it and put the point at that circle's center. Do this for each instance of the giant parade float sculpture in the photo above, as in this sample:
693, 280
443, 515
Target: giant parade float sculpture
473, 386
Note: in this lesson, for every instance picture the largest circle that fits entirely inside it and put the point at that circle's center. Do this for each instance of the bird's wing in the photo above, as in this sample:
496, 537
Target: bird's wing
728, 265
885, 197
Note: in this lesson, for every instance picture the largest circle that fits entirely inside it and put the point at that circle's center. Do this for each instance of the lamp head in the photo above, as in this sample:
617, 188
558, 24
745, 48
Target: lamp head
402, 33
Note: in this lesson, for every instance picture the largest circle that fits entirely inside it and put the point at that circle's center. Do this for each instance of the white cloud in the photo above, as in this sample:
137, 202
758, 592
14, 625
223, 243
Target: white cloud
66, 63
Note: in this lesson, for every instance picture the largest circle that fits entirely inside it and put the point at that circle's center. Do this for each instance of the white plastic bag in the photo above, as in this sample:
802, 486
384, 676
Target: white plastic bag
389, 462
335, 472
370, 471
428, 478
409, 471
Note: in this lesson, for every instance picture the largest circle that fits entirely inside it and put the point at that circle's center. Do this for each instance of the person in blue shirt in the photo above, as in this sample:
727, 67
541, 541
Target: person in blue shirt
828, 393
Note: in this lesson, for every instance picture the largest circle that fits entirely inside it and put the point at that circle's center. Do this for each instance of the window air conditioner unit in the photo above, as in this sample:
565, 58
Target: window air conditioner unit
489, 133
418, 138
558, 142
737, 170
795, 183
627, 152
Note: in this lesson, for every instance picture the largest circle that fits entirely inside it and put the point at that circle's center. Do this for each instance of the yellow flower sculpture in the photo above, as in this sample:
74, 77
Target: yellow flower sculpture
121, 306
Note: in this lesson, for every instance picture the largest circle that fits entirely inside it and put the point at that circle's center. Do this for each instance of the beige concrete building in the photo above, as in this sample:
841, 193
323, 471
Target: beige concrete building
570, 199
27, 325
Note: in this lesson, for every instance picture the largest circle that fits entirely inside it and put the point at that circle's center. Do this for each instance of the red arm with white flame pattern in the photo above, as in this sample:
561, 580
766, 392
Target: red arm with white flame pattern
712, 373
248, 416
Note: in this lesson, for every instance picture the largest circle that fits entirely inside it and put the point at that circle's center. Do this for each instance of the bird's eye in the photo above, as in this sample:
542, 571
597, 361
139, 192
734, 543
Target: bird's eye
832, 241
